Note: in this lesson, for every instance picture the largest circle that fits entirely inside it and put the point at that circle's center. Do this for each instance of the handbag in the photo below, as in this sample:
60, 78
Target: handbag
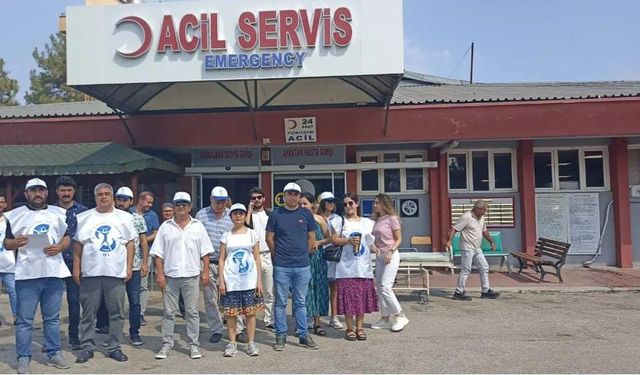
333, 253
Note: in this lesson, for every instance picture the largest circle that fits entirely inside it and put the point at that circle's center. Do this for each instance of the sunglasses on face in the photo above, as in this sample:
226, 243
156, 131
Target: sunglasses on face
350, 204
257, 198
182, 204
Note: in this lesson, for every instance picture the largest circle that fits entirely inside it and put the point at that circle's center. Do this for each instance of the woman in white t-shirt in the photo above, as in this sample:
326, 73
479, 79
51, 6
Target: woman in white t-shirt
240, 279
356, 293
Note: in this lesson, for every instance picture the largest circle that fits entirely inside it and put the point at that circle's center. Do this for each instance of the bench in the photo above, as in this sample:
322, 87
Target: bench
549, 253
486, 249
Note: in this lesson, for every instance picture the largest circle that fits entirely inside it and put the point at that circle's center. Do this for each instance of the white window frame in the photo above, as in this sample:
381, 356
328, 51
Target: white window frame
492, 173
581, 168
403, 172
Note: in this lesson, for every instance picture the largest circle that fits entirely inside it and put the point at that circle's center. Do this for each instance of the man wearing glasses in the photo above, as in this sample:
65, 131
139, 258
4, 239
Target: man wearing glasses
217, 222
290, 235
257, 217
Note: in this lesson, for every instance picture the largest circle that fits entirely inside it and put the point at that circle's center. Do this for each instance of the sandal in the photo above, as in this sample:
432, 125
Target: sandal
319, 331
350, 335
360, 335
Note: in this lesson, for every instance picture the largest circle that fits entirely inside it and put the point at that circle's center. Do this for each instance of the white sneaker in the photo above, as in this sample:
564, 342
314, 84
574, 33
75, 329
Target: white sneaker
334, 322
399, 324
164, 351
231, 349
382, 324
194, 352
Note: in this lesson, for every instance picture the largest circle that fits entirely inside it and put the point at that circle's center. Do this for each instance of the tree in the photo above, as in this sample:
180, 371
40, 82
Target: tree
8, 87
49, 84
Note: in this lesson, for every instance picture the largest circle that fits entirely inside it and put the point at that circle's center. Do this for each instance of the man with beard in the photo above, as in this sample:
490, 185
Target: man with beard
143, 208
124, 200
103, 255
66, 190
39, 271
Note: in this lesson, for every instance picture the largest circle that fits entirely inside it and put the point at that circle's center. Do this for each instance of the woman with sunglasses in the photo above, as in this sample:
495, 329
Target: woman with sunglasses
356, 294
327, 210
317, 300
388, 238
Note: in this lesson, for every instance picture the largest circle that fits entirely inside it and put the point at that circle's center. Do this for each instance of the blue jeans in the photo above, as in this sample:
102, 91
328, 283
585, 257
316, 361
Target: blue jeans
9, 282
297, 279
133, 294
73, 301
46, 291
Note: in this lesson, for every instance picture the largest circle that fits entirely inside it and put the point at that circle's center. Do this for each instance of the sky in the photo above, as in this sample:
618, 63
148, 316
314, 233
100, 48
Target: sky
515, 41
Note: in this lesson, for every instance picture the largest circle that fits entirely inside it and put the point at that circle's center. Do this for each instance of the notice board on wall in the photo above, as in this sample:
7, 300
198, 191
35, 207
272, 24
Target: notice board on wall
572, 218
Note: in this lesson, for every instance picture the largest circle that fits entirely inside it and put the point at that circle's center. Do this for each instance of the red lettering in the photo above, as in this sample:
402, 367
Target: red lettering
168, 36
289, 22
248, 38
216, 44
326, 27
204, 31
267, 25
189, 21
310, 31
342, 22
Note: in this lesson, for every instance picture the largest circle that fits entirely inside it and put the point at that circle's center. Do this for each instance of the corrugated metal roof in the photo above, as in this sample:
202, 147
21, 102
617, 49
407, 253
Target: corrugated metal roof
414, 88
92, 108
504, 92
78, 158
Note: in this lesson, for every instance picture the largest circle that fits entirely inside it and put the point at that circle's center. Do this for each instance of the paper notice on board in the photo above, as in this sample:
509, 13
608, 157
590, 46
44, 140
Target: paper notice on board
584, 222
551, 216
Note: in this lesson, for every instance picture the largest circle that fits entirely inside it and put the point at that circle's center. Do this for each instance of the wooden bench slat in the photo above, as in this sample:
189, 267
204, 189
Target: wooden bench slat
548, 252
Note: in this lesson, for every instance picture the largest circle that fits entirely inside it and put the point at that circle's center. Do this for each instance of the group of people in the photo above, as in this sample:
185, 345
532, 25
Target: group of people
245, 259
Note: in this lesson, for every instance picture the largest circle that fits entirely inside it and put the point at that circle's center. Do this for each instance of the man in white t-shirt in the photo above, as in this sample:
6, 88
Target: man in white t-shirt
181, 249
103, 252
472, 228
39, 232
7, 261
257, 217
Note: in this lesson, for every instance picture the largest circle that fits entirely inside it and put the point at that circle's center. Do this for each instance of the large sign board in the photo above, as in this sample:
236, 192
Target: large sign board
187, 41
572, 218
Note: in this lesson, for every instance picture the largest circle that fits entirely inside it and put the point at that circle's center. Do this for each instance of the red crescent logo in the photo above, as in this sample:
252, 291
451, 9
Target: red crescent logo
295, 124
146, 39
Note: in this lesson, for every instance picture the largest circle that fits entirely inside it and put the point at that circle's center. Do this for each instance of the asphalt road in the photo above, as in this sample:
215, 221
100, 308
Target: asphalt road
550, 332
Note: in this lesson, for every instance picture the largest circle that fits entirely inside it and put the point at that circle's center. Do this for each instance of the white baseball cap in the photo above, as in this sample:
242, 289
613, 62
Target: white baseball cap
237, 207
327, 196
124, 192
292, 186
35, 182
219, 193
181, 197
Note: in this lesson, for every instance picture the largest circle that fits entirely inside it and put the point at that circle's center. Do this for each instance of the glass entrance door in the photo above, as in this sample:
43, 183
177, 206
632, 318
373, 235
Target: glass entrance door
315, 183
238, 186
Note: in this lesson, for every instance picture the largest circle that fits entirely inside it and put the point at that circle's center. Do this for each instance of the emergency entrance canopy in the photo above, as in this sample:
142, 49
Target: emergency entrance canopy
236, 55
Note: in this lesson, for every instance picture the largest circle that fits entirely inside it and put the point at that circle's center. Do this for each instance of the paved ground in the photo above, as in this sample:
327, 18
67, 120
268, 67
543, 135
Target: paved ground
551, 332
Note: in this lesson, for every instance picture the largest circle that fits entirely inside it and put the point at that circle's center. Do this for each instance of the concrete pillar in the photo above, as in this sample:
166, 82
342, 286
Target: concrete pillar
445, 206
619, 174
527, 189
434, 200
265, 185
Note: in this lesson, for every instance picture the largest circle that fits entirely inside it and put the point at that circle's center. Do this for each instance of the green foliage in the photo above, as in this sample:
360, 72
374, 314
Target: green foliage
48, 85
8, 87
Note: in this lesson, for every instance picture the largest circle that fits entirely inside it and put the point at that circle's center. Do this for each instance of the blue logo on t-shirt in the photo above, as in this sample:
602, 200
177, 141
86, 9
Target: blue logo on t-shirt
108, 244
239, 258
41, 229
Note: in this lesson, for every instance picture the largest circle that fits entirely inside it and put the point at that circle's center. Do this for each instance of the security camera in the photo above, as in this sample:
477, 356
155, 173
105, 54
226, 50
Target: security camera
301, 166
228, 168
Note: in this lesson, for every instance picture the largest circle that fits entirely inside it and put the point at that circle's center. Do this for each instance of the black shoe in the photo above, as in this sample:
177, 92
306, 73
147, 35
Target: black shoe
135, 339
74, 342
461, 296
142, 321
270, 326
490, 294
281, 342
84, 356
102, 330
241, 337
308, 342
215, 338
118, 355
